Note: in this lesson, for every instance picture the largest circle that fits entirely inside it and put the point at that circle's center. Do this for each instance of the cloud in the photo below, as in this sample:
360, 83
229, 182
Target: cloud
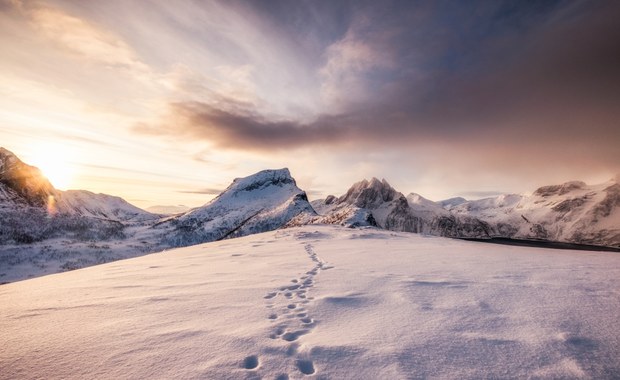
232, 125
207, 191
79, 37
350, 61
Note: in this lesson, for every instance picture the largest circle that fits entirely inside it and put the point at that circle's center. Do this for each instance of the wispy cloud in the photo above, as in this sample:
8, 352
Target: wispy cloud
79, 37
207, 191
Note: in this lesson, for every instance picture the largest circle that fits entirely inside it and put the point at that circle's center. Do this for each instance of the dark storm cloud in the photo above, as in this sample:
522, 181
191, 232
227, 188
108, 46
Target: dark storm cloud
533, 77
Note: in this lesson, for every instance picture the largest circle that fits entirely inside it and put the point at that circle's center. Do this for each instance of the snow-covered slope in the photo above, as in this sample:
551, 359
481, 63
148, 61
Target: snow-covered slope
321, 302
261, 202
571, 212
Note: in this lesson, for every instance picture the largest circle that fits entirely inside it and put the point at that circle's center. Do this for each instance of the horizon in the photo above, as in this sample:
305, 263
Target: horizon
480, 195
165, 104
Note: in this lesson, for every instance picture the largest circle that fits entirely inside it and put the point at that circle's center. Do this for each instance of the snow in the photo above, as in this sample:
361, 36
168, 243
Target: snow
86, 203
321, 302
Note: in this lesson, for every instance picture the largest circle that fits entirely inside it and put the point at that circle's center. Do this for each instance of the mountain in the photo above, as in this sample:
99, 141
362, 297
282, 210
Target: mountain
260, 202
21, 183
31, 209
570, 212
44, 230
377, 203
103, 206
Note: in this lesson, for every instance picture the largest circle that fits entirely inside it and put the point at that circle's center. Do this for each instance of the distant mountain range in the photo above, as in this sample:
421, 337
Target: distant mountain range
35, 217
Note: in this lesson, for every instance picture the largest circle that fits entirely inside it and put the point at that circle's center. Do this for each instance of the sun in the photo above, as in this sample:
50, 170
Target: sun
55, 164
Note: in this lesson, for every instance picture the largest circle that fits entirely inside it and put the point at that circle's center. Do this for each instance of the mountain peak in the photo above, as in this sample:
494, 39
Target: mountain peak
260, 202
264, 178
27, 181
367, 194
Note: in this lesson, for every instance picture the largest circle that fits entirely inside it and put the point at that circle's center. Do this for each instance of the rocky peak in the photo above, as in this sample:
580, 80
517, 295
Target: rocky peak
27, 181
369, 194
262, 179
562, 189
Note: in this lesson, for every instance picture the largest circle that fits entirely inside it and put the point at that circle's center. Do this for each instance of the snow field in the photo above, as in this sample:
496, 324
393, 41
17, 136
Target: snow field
321, 302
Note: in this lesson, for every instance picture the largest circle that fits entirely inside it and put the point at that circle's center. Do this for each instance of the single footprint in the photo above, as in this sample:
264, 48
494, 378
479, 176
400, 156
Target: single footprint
283, 376
250, 362
305, 366
293, 336
291, 306
307, 320
270, 295
273, 316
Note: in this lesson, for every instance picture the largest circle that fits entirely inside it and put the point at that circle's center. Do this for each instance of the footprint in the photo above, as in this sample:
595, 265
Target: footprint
294, 280
291, 306
302, 315
307, 320
283, 376
250, 362
305, 366
293, 336
270, 295
273, 316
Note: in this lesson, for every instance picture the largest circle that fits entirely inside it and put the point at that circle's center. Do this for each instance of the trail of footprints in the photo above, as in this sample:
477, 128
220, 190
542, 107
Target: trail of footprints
288, 313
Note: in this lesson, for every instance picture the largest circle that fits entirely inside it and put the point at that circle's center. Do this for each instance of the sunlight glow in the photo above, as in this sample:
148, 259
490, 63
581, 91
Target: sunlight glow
54, 164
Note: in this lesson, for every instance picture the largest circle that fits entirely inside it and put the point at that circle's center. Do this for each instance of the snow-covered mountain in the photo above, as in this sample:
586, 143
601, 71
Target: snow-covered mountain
31, 209
571, 212
261, 202
21, 184
44, 230
377, 203
85, 203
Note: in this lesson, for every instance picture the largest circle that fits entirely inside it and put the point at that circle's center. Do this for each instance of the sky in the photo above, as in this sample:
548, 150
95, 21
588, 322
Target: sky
166, 102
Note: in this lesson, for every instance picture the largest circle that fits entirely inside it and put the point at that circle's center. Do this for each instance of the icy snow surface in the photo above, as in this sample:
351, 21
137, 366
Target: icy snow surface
322, 302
